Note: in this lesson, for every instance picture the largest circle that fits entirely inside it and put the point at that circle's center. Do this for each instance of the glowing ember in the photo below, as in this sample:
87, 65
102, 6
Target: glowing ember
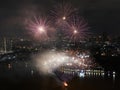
65, 84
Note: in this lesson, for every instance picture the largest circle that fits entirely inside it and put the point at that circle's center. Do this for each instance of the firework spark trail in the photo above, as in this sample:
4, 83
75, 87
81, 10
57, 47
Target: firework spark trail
51, 60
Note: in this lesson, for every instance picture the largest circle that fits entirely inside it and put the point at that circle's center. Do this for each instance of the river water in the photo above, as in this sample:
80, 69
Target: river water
23, 75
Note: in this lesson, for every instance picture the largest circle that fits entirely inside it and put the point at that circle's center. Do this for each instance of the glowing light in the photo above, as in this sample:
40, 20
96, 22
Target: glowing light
75, 31
65, 84
38, 27
32, 72
41, 29
78, 28
82, 74
60, 12
114, 73
9, 66
64, 18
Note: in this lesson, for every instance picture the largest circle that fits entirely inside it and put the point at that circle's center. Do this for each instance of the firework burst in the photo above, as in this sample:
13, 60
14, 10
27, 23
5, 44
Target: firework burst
62, 12
78, 28
38, 27
64, 19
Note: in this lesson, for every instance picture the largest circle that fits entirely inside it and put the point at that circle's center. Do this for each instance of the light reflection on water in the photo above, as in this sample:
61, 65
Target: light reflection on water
67, 74
28, 68
19, 70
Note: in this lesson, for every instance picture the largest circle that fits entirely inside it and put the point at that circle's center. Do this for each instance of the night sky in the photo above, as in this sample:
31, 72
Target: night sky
101, 15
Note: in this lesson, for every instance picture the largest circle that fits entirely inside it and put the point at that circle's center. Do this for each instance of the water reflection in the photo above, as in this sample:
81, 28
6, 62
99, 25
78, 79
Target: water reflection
9, 66
28, 68
67, 74
20, 70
